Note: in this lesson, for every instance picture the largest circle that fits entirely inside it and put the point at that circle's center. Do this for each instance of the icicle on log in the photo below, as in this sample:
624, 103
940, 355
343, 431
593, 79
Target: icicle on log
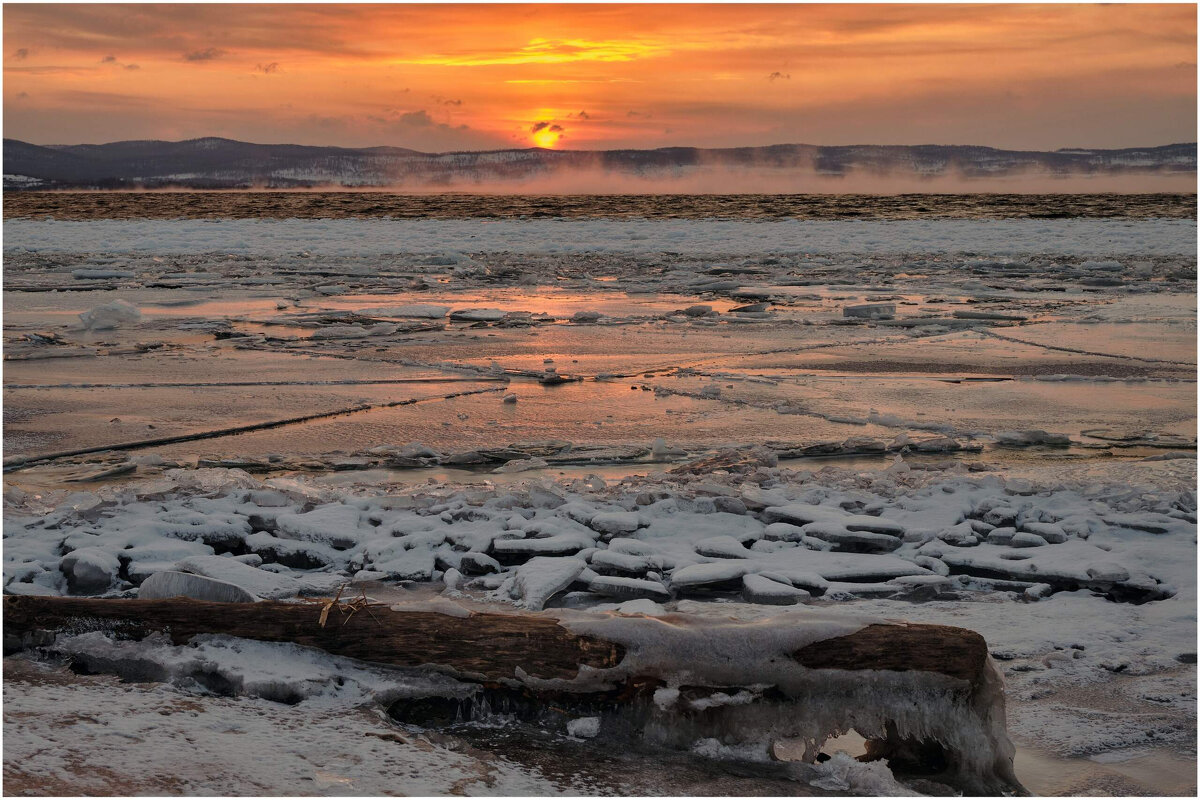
926, 697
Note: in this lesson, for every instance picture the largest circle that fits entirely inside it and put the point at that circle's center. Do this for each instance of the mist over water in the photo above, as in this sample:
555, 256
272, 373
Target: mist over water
717, 179
274, 204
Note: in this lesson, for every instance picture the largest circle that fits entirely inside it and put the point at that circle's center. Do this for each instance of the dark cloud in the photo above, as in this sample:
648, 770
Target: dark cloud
546, 126
420, 130
21, 54
410, 121
580, 115
779, 76
208, 54
113, 60
23, 94
416, 119
267, 69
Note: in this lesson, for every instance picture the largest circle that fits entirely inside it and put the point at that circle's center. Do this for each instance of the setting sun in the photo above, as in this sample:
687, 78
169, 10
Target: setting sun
546, 135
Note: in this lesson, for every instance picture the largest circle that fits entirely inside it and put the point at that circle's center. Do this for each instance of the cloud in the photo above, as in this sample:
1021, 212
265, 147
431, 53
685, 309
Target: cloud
419, 130
411, 121
208, 54
546, 126
417, 119
580, 115
113, 60
638, 115
21, 54
779, 76
267, 69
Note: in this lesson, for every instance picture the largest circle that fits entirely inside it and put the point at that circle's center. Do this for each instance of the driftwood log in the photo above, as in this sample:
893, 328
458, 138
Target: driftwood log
489, 645
490, 649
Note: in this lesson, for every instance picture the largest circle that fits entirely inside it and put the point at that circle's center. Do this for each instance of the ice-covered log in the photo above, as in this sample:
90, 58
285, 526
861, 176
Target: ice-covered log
927, 697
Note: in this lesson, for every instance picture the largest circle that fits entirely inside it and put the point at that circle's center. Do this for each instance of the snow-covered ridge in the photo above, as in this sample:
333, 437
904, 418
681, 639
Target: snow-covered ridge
699, 237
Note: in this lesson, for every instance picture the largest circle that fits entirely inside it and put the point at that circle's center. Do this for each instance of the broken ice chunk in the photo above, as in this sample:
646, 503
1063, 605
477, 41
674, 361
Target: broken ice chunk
90, 570
478, 315
414, 310
335, 525
629, 588
765, 591
258, 582
510, 551
110, 315
521, 465
723, 547
615, 522
618, 563
539, 579
846, 540
585, 728
870, 311
725, 574
164, 585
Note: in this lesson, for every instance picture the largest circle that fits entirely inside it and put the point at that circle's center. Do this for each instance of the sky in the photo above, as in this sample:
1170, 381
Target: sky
441, 78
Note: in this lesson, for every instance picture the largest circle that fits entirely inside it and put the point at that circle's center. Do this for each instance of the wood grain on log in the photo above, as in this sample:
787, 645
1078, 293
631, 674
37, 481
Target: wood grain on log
957, 652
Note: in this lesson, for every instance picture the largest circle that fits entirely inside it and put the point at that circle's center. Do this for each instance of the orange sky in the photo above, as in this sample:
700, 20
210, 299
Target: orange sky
454, 77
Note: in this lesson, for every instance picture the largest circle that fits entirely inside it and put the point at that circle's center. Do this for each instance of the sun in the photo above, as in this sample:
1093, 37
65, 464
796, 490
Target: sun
547, 137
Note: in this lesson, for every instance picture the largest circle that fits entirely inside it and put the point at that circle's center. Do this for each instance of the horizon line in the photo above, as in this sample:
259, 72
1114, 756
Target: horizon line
608, 150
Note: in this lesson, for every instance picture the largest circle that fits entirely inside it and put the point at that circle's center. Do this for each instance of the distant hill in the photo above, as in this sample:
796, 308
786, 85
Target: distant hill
225, 163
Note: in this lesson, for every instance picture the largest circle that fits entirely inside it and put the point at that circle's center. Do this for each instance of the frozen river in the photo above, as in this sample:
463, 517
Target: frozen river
959, 419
